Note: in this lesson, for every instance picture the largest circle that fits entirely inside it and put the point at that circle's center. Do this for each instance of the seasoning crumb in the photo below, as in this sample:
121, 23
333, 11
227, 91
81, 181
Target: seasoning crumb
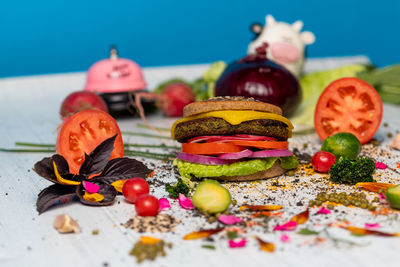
95, 232
161, 223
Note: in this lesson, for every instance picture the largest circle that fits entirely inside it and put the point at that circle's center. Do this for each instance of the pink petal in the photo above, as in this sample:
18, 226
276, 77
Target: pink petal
239, 244
229, 219
91, 187
380, 165
285, 238
185, 202
372, 225
289, 226
164, 204
323, 210
382, 196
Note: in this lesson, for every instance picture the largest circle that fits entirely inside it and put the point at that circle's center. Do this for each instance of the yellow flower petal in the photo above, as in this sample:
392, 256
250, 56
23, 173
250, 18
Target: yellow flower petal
95, 197
62, 180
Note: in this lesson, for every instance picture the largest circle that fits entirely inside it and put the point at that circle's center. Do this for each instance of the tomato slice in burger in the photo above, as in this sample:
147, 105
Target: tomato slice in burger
261, 144
83, 132
348, 105
210, 148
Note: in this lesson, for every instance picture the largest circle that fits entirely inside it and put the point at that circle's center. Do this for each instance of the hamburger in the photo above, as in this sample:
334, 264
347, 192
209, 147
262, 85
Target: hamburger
233, 139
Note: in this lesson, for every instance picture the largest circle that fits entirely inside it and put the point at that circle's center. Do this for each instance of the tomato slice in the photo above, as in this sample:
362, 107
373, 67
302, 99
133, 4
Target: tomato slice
83, 132
348, 105
210, 148
261, 144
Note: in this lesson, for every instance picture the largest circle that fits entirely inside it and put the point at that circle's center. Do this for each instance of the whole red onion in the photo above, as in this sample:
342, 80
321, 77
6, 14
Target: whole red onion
256, 76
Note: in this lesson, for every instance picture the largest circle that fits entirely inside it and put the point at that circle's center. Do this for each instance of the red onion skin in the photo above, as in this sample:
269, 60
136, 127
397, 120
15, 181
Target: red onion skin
262, 80
200, 159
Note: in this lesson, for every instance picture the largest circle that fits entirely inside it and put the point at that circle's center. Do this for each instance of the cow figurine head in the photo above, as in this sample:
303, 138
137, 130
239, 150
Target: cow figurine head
286, 43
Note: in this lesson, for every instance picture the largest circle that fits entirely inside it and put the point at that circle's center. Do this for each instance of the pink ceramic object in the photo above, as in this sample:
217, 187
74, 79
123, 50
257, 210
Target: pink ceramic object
114, 75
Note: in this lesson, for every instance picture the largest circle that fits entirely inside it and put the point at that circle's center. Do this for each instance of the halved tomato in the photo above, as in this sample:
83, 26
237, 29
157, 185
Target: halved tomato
83, 132
261, 144
348, 105
211, 148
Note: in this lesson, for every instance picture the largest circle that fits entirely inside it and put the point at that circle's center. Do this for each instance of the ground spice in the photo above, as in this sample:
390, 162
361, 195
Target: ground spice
161, 223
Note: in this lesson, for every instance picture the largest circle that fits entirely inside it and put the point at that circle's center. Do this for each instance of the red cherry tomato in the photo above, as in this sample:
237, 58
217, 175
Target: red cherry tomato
134, 188
147, 205
322, 161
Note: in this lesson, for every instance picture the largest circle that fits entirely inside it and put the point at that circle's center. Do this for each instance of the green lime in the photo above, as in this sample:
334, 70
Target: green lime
342, 145
393, 196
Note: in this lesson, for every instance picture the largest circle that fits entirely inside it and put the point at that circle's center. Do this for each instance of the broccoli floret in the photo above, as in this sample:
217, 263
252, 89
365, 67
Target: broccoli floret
346, 171
179, 187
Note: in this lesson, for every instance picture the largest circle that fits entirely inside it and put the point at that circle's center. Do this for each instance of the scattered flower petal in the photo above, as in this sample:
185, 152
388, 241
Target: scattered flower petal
119, 184
363, 231
380, 165
285, 238
301, 217
202, 234
96, 197
91, 187
261, 207
164, 204
149, 240
185, 202
265, 246
382, 196
229, 219
323, 210
237, 244
372, 225
373, 186
289, 226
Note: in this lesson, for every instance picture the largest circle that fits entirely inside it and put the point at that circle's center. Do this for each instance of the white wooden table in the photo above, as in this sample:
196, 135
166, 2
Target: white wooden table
29, 112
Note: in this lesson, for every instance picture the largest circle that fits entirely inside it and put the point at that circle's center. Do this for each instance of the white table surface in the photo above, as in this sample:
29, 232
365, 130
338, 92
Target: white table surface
29, 112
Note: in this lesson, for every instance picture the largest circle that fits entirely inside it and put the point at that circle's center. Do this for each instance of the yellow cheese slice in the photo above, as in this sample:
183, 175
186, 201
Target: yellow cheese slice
235, 117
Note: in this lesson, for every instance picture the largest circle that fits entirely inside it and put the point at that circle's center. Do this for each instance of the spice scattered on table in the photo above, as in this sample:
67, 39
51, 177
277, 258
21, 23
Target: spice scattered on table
161, 223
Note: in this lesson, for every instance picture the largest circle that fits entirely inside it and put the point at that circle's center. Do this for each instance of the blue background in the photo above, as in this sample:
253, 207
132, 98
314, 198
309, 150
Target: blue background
53, 36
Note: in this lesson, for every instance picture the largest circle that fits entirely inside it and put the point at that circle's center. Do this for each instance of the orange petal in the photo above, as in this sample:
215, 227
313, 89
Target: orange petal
148, 240
119, 184
62, 180
363, 231
261, 207
301, 217
267, 213
96, 197
374, 187
265, 246
202, 234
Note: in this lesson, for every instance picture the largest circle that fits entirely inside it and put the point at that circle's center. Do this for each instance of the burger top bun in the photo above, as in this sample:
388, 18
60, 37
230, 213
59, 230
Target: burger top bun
229, 103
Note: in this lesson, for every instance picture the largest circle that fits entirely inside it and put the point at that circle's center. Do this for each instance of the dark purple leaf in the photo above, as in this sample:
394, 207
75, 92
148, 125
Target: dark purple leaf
45, 169
123, 168
54, 195
106, 190
98, 158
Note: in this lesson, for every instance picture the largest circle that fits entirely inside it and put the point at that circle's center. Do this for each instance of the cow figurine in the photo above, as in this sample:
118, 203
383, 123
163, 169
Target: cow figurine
286, 43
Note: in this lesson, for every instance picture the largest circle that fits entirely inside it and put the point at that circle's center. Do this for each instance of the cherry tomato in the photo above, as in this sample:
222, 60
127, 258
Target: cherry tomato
322, 161
348, 105
83, 132
134, 188
147, 205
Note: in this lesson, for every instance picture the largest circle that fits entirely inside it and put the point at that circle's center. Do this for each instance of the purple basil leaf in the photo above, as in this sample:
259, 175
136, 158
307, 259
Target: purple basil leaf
62, 164
86, 165
98, 157
54, 195
123, 168
106, 190
45, 169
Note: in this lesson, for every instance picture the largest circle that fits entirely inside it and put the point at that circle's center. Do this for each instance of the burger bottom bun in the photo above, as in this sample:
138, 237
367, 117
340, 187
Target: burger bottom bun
274, 171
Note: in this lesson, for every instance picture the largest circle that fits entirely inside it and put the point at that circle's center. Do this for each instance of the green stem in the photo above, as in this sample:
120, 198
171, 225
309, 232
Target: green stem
150, 154
34, 144
147, 135
27, 150
141, 125
152, 146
